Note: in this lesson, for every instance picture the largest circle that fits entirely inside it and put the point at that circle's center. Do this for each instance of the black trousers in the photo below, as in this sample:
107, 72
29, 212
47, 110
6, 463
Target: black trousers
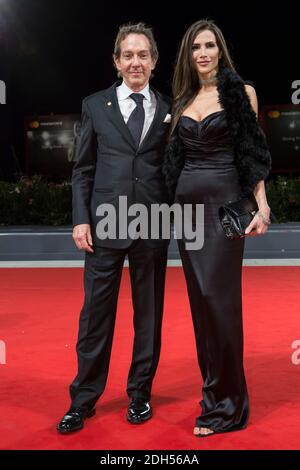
102, 276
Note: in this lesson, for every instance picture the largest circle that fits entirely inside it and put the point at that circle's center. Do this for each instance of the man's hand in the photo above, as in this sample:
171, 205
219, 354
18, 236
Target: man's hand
83, 238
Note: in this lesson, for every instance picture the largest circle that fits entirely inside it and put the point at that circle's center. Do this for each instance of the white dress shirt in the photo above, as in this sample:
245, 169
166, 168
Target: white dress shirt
127, 105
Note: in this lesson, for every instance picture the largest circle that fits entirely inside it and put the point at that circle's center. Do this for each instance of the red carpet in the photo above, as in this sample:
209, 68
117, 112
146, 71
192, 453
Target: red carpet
39, 311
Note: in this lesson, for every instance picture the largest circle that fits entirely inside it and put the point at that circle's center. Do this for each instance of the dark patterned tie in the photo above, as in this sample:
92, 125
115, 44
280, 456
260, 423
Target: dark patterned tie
136, 119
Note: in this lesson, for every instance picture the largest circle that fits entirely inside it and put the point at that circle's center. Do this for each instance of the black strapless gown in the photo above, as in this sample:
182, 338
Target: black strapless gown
213, 273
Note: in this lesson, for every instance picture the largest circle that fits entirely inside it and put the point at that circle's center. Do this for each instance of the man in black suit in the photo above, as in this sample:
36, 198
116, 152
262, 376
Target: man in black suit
123, 135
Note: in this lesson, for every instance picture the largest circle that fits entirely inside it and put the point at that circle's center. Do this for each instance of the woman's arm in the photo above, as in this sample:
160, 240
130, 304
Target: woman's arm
252, 97
261, 221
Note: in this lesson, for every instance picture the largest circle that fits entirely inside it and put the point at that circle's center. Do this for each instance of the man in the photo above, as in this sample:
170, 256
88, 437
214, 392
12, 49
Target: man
128, 125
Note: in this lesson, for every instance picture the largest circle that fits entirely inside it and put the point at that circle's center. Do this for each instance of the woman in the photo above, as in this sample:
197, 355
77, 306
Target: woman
220, 153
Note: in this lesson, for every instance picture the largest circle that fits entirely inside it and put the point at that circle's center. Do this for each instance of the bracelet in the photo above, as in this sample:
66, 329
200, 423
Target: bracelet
265, 221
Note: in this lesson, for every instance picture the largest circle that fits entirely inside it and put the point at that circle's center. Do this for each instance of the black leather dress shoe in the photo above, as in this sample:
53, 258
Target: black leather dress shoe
74, 420
139, 411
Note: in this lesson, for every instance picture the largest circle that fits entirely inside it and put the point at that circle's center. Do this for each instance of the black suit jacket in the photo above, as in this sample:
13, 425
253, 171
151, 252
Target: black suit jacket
108, 164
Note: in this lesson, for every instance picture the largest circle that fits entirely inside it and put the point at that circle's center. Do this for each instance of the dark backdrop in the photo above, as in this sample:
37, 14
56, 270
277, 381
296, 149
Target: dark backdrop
55, 52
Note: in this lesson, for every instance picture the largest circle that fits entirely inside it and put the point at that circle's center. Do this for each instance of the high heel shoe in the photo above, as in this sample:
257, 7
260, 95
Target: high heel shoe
197, 432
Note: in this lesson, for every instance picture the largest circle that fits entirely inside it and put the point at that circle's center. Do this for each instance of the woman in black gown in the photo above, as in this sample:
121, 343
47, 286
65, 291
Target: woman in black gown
202, 121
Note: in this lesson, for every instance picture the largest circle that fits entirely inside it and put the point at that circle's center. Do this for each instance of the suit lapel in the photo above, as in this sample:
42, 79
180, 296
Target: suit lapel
114, 114
161, 111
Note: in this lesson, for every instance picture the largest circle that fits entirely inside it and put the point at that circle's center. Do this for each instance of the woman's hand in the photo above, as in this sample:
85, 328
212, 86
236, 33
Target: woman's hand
260, 222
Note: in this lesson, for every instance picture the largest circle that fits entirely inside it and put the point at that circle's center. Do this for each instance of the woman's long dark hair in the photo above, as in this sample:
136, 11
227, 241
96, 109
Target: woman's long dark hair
186, 82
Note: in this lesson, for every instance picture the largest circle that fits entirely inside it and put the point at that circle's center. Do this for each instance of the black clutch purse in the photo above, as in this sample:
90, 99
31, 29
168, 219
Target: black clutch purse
236, 216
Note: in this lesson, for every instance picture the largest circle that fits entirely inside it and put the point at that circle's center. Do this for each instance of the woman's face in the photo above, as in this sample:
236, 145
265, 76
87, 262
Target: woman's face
206, 53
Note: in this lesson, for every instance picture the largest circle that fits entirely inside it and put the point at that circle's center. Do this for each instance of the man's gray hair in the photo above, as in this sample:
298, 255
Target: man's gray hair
137, 28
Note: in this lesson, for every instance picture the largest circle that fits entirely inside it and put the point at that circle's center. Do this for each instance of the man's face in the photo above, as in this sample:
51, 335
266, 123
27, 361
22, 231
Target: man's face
135, 62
